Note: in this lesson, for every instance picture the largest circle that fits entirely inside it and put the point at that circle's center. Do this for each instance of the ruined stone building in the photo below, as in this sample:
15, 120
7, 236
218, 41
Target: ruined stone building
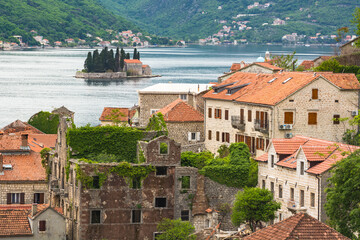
254, 108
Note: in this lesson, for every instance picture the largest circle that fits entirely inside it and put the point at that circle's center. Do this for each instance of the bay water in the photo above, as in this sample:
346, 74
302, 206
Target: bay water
31, 81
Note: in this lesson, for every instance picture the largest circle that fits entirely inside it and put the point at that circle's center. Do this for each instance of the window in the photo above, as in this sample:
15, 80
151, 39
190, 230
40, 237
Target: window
249, 116
193, 136
312, 199
336, 119
226, 114
185, 215
95, 216
161, 171
292, 193
218, 113
136, 183
302, 203
336, 101
152, 111
272, 161
280, 216
272, 188
315, 93
289, 118
16, 198
136, 216
42, 226
210, 112
39, 198
312, 120
209, 134
95, 182
242, 118
160, 202
263, 184
280, 191
302, 168
183, 97
226, 137
217, 136
185, 182
163, 148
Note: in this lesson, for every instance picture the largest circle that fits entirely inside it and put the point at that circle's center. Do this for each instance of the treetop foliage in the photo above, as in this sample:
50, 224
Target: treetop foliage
45, 122
175, 230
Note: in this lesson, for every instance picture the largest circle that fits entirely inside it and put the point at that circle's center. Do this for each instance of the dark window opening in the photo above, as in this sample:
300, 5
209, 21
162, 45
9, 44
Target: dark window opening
280, 191
136, 183
161, 171
136, 216
160, 202
96, 182
302, 168
42, 226
263, 184
95, 216
39, 198
185, 182
336, 119
185, 215
292, 194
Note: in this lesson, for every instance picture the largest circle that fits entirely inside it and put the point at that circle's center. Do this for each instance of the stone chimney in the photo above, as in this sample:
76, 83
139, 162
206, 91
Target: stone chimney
33, 209
24, 141
1, 163
200, 203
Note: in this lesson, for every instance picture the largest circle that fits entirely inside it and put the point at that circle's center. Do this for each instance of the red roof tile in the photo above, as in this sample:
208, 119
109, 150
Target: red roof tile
307, 64
235, 67
20, 126
180, 111
268, 65
299, 226
36, 142
121, 114
263, 158
289, 162
132, 61
270, 89
288, 146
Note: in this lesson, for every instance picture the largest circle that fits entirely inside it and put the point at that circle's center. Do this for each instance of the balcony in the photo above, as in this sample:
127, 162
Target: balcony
238, 123
261, 126
295, 207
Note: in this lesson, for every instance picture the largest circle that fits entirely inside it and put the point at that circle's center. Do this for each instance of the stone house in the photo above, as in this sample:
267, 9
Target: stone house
133, 67
36, 221
256, 67
349, 47
185, 124
146, 70
22, 176
119, 116
254, 108
296, 170
298, 226
317, 61
155, 97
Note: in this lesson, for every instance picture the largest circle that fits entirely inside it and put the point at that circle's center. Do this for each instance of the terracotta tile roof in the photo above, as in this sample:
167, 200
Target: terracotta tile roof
288, 162
235, 67
288, 146
124, 114
19, 214
145, 66
263, 158
268, 65
132, 61
25, 167
180, 111
299, 226
318, 153
307, 64
36, 142
270, 89
20, 126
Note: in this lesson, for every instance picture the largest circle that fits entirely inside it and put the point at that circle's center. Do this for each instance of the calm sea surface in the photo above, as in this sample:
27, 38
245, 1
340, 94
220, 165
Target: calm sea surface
31, 81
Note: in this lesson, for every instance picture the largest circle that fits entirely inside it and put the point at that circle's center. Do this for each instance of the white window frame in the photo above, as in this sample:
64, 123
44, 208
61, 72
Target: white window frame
196, 136
152, 111
183, 97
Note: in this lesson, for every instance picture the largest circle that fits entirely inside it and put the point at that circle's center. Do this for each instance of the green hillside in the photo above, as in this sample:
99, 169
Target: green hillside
57, 20
193, 19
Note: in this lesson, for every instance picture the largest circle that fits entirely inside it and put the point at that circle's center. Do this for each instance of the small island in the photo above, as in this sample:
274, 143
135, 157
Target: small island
106, 65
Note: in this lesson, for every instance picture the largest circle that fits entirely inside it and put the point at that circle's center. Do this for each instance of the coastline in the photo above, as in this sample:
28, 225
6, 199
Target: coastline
110, 76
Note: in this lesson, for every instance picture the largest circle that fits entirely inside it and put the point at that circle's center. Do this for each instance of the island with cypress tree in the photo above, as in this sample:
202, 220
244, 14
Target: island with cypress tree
107, 65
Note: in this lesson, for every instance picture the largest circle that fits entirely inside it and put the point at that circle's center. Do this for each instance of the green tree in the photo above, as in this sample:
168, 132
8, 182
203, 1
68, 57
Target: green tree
98, 64
122, 59
138, 56
285, 61
356, 22
343, 196
128, 56
197, 160
45, 122
254, 206
117, 60
89, 66
157, 123
111, 61
175, 230
135, 53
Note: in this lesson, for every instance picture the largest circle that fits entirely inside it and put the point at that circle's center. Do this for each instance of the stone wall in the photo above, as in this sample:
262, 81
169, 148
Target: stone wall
55, 226
179, 131
349, 49
146, 71
133, 69
107, 75
196, 147
28, 188
324, 184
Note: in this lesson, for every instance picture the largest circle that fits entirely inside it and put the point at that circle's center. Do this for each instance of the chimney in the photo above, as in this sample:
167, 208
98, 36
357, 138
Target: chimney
1, 163
24, 141
33, 209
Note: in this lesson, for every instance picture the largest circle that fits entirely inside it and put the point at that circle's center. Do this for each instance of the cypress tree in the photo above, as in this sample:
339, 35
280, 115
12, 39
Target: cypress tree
111, 61
117, 60
128, 56
122, 59
98, 65
138, 56
135, 54
89, 66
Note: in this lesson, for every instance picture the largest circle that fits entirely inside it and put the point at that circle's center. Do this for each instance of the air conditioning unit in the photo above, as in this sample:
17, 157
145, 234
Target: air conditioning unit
288, 126
354, 113
281, 127
288, 135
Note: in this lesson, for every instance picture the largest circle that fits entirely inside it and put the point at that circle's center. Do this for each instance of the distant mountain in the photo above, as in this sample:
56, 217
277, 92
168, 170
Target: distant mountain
193, 19
57, 20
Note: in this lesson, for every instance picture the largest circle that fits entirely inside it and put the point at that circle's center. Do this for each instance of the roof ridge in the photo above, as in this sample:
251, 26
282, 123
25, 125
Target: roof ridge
297, 224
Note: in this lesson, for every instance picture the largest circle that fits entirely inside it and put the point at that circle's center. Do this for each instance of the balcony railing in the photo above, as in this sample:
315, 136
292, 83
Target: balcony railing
238, 123
261, 126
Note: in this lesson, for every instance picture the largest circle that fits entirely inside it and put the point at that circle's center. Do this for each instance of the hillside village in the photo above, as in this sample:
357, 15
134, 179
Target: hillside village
259, 126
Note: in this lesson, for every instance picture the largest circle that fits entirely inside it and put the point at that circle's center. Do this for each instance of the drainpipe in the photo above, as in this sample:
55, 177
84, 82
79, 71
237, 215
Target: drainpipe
319, 191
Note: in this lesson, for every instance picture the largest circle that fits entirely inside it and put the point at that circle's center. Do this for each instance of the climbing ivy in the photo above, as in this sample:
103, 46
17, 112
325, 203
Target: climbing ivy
45, 153
157, 123
45, 121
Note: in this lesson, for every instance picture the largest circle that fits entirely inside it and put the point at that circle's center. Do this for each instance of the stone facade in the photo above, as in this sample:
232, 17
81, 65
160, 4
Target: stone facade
181, 132
29, 189
55, 226
133, 69
107, 75
331, 102
146, 70
350, 48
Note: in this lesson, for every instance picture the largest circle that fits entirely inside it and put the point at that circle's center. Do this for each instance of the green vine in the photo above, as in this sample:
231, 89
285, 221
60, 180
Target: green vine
45, 154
